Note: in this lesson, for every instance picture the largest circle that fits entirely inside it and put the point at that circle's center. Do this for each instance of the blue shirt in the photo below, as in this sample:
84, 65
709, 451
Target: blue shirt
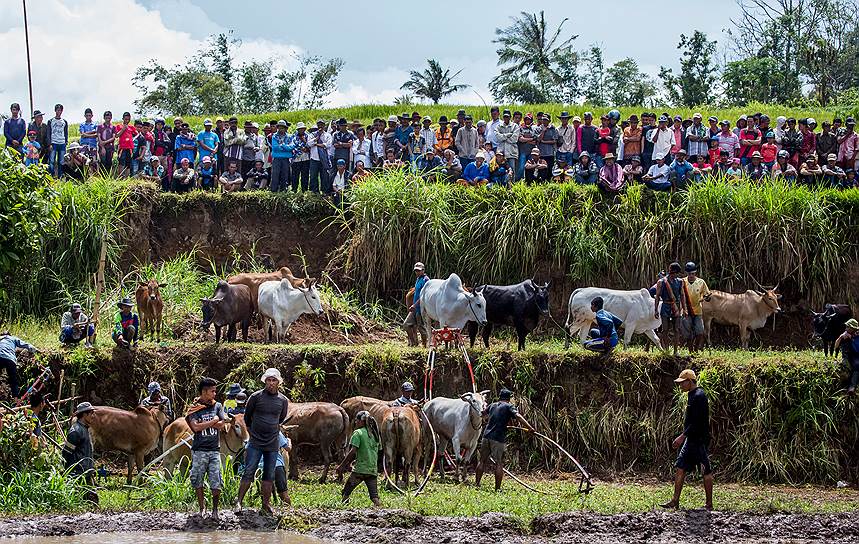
185, 153
607, 323
472, 172
682, 171
14, 129
282, 147
88, 127
419, 284
8, 345
402, 134
210, 139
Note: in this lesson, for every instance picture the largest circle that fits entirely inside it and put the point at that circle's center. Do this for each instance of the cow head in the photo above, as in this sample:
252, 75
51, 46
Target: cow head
152, 289
770, 297
819, 322
311, 296
476, 401
541, 297
476, 306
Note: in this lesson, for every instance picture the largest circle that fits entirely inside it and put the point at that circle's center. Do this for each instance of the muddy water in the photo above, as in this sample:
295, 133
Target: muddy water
172, 537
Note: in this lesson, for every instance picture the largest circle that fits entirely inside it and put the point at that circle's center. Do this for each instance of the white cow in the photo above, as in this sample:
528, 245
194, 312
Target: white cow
634, 308
280, 304
458, 422
446, 302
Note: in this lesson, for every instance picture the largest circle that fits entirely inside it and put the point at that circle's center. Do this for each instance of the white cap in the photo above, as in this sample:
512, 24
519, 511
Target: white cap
271, 373
299, 125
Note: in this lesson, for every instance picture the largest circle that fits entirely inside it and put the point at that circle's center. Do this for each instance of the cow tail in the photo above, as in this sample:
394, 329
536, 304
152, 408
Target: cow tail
397, 435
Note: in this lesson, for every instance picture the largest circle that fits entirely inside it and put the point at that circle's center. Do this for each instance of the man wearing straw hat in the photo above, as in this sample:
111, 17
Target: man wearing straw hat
849, 344
265, 412
694, 441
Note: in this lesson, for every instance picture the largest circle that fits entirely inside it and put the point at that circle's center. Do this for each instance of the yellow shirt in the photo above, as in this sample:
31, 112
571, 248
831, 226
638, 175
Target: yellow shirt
697, 290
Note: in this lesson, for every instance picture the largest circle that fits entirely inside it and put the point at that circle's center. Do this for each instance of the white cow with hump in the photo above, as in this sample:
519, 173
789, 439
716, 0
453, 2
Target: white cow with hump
457, 422
280, 304
448, 303
634, 308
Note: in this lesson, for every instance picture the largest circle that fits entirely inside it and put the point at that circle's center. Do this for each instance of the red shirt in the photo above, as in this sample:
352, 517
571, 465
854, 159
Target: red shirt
714, 155
769, 152
747, 150
126, 139
604, 147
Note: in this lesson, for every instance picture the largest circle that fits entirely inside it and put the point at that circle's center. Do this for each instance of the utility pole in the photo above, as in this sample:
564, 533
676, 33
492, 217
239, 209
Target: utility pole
27, 42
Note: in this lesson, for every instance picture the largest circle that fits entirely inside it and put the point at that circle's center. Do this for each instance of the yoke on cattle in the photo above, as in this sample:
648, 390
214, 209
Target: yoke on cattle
448, 336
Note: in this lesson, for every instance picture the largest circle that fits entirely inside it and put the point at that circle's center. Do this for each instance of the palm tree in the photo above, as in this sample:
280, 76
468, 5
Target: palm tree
528, 47
433, 83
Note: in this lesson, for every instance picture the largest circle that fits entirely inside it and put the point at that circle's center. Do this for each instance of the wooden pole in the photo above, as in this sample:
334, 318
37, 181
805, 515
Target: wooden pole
27, 44
60, 388
72, 404
99, 283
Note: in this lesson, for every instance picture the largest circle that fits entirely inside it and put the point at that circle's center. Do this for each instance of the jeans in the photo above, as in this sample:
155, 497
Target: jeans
318, 177
598, 160
58, 151
512, 165
67, 334
546, 174
252, 458
566, 156
279, 174
300, 175
11, 375
520, 169
465, 161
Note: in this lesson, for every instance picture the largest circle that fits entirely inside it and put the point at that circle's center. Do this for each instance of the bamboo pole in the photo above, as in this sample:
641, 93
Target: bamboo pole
99, 282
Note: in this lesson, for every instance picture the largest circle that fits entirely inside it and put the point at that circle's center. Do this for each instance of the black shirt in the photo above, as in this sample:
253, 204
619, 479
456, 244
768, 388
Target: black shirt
500, 415
77, 451
589, 139
207, 439
696, 427
264, 413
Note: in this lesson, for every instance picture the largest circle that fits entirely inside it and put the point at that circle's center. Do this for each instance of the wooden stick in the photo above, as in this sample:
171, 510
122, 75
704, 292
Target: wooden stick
57, 403
60, 387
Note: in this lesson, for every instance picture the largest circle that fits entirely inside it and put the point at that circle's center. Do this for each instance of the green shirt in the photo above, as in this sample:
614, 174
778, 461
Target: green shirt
367, 454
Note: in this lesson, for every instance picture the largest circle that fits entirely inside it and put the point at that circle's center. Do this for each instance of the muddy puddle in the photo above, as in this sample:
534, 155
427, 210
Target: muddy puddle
175, 537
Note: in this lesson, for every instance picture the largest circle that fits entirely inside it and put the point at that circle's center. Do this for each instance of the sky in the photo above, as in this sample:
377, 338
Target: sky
84, 52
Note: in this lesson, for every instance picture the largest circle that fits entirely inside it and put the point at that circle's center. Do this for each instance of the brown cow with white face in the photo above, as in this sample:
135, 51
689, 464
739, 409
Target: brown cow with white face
748, 311
151, 307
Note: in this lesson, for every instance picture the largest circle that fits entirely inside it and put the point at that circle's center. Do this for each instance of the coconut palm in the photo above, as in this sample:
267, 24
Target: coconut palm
528, 48
433, 83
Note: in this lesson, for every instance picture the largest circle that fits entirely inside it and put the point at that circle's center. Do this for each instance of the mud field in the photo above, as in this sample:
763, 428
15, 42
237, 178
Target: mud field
395, 526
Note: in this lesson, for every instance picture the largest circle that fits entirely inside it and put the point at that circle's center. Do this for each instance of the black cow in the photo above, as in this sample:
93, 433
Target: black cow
829, 324
517, 305
230, 304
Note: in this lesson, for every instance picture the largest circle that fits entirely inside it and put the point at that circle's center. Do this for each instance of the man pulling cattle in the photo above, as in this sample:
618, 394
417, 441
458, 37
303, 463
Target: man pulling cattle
494, 445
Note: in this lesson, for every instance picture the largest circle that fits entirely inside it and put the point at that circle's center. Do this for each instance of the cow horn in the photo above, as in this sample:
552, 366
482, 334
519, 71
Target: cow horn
484, 392
205, 300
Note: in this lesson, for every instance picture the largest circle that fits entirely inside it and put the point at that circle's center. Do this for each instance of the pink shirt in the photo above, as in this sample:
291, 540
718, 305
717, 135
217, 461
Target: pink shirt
848, 148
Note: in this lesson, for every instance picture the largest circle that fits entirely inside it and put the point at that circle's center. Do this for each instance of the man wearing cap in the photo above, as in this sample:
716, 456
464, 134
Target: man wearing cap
427, 133
849, 344
566, 139
207, 141
155, 397
498, 417
42, 135
402, 133
662, 139
443, 136
682, 170
282, 149
233, 140
669, 292
507, 138
153, 171
340, 179
658, 176
408, 391
414, 321
15, 128
75, 326
185, 177
810, 172
266, 410
230, 403
694, 441
695, 291
833, 175
185, 146
77, 448
848, 145
9, 359
125, 325
429, 164
466, 142
492, 126
318, 142
76, 163
756, 169
257, 178
205, 175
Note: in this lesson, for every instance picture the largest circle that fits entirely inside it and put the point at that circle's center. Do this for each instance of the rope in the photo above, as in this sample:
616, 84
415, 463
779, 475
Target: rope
182, 442
421, 487
585, 484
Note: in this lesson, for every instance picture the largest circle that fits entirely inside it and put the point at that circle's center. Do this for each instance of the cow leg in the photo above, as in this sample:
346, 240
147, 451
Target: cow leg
293, 466
651, 334
158, 318
627, 336
231, 333
326, 456
487, 330
245, 324
457, 449
217, 333
412, 335
441, 448
140, 460
707, 323
583, 333
471, 326
744, 336
521, 334
130, 462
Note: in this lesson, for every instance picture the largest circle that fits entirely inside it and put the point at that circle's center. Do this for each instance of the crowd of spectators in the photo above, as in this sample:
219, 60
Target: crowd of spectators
663, 152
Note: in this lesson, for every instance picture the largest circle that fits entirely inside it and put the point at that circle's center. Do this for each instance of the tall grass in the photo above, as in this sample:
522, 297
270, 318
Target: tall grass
740, 232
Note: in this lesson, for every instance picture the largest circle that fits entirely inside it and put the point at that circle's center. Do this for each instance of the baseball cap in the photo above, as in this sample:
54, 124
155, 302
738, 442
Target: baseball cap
207, 123
687, 374
407, 386
418, 266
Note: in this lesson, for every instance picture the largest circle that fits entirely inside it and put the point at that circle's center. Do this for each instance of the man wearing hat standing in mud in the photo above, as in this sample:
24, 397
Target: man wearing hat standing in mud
694, 441
77, 449
414, 323
265, 412
125, 325
494, 440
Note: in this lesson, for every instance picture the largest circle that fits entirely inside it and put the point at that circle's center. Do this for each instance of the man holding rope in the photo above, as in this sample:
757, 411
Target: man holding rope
494, 443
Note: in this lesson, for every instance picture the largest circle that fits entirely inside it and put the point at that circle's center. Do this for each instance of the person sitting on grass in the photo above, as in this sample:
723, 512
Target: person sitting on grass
656, 177
499, 174
125, 325
153, 171
694, 441
782, 168
603, 338
534, 166
206, 174
231, 180
493, 445
75, 326
586, 171
476, 173
364, 450
849, 344
257, 177
633, 171
206, 418
391, 160
611, 178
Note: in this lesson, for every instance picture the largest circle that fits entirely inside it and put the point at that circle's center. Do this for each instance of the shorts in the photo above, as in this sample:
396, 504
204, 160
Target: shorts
695, 325
252, 459
206, 463
124, 158
693, 455
493, 448
414, 320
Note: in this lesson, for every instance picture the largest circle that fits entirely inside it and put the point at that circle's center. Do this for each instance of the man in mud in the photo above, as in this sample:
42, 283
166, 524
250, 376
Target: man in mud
77, 449
494, 443
156, 397
206, 418
265, 412
406, 398
414, 322
694, 441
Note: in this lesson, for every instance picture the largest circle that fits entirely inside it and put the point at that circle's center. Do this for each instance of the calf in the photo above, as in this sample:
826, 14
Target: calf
829, 325
401, 438
519, 305
232, 441
457, 422
748, 311
151, 307
318, 423
135, 433
230, 304
254, 279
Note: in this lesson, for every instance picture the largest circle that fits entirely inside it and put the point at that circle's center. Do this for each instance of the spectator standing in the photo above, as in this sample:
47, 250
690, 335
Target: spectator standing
88, 133
233, 140
848, 146
647, 128
507, 135
300, 174
251, 146
466, 142
791, 141
566, 139
342, 140
361, 146
207, 141
265, 411
427, 133
827, 142
282, 148
59, 131
125, 135
320, 164
697, 137
662, 139
632, 136
106, 142
15, 128
728, 141
527, 142
808, 146
492, 127
443, 136
547, 143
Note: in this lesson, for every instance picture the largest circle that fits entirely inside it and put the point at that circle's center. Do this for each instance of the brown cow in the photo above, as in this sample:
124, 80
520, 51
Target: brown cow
134, 433
376, 407
319, 423
230, 304
233, 438
401, 438
254, 279
151, 307
748, 311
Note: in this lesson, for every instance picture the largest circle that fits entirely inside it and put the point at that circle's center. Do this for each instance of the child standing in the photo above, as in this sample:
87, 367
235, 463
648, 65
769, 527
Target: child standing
364, 450
32, 149
769, 150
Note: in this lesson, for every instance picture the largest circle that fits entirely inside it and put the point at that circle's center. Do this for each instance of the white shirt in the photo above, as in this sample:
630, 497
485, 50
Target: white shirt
659, 172
664, 142
429, 137
325, 138
361, 152
378, 144
339, 181
490, 131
